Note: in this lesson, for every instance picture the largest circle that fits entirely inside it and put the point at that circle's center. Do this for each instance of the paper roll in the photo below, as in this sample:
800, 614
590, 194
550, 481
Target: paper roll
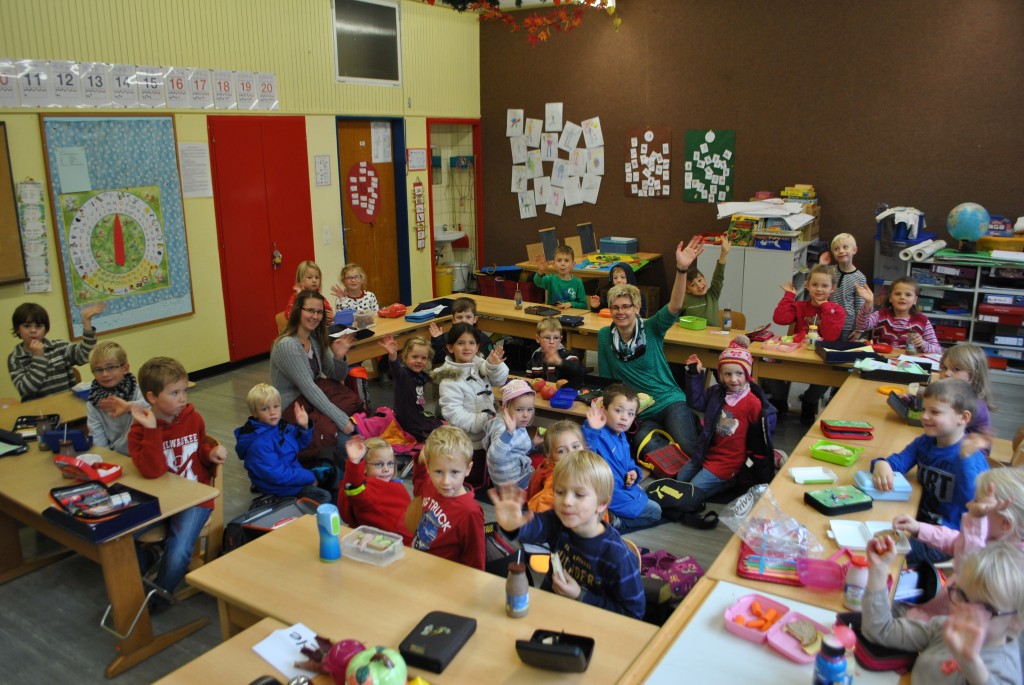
907, 253
926, 253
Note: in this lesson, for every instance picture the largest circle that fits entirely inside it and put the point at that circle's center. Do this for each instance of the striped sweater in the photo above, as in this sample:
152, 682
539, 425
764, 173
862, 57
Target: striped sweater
888, 329
49, 373
845, 295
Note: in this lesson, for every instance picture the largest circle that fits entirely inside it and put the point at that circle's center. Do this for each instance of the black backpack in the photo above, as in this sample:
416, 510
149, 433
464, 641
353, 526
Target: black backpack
682, 502
266, 513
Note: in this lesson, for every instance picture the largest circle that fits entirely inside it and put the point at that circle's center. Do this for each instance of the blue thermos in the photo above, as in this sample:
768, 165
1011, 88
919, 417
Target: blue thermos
328, 522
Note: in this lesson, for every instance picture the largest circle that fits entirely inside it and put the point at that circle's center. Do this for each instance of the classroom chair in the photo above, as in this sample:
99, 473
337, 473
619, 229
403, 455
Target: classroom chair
739, 319
282, 320
77, 374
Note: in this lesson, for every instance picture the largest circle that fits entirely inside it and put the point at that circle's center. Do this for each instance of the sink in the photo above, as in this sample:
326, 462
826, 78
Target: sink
447, 236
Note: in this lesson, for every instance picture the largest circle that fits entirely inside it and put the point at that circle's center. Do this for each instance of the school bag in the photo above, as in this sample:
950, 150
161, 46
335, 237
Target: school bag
872, 656
265, 514
682, 502
657, 452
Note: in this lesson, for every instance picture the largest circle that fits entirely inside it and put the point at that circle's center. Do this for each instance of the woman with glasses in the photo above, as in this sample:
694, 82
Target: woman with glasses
631, 350
307, 365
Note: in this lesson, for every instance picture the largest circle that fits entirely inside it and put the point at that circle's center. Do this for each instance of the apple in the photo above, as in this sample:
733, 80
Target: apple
548, 391
338, 657
538, 384
377, 666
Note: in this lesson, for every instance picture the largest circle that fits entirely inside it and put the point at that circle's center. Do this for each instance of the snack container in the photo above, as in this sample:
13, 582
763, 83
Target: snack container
694, 323
81, 390
564, 398
900, 487
832, 457
812, 475
742, 608
372, 545
787, 645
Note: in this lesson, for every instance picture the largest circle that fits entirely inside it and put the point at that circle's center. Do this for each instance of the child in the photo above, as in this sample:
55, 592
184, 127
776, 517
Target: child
110, 394
565, 291
308, 277
969, 363
447, 519
507, 441
605, 432
351, 295
463, 311
738, 420
598, 568
900, 323
829, 317
701, 299
977, 642
411, 378
947, 479
844, 247
269, 447
551, 361
561, 439
41, 367
372, 496
995, 513
170, 437
621, 273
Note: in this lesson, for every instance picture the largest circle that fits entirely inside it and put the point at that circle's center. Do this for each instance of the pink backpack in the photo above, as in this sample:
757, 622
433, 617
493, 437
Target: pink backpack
383, 424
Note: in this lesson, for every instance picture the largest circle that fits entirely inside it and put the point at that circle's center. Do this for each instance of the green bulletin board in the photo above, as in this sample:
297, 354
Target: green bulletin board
708, 166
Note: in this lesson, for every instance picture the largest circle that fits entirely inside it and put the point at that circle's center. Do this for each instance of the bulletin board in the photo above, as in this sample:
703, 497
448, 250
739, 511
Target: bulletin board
119, 218
12, 259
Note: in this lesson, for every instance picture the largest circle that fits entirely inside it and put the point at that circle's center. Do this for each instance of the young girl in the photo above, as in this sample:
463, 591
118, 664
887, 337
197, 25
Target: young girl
968, 363
507, 441
308, 277
977, 642
411, 378
562, 438
351, 293
900, 323
620, 274
464, 390
41, 367
995, 513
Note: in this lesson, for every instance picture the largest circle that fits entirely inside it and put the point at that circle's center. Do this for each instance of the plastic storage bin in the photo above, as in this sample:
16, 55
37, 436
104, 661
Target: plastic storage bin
694, 323
742, 607
619, 245
372, 545
818, 452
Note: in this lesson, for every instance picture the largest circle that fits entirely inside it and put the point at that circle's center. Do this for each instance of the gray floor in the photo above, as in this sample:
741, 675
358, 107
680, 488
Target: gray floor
50, 630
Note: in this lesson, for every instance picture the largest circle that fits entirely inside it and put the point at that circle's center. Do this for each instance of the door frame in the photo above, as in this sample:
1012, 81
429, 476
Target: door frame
401, 199
476, 126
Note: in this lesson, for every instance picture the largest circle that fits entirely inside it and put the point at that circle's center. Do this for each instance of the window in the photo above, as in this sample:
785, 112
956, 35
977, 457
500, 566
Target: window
367, 40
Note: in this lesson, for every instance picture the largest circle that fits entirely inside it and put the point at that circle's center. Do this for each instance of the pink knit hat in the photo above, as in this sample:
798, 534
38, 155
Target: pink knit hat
737, 353
516, 387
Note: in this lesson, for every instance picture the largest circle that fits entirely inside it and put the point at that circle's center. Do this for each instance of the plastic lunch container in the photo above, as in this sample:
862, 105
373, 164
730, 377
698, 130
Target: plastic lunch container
812, 475
564, 398
787, 645
832, 457
694, 323
372, 545
742, 608
824, 574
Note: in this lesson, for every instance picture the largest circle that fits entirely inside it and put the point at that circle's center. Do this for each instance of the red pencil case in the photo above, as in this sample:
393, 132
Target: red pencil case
847, 430
756, 567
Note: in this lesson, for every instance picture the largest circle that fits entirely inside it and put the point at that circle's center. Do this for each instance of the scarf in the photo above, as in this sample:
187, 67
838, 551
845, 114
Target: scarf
635, 347
733, 398
125, 390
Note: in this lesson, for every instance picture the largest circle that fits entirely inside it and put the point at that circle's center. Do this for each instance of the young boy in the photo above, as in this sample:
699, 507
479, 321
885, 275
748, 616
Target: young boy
605, 433
701, 299
41, 367
596, 566
269, 447
565, 291
551, 361
111, 393
170, 436
371, 496
946, 477
447, 520
844, 247
463, 311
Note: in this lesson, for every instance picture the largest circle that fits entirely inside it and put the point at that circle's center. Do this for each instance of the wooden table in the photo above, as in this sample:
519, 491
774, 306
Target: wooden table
400, 328
590, 274
25, 482
70, 407
281, 576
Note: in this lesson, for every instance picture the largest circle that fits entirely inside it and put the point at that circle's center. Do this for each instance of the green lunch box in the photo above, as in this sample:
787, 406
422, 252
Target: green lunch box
694, 323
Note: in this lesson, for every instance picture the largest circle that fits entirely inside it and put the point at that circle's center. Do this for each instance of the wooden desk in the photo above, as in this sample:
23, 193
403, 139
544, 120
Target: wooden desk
280, 576
25, 483
542, 406
400, 328
591, 274
67, 404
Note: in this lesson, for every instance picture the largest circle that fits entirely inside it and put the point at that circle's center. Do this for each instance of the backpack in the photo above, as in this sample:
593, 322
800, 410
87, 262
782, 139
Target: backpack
682, 502
872, 656
680, 573
659, 453
266, 513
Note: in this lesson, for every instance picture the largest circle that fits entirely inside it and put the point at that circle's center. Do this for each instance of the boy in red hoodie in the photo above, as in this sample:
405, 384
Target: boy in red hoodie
171, 436
370, 496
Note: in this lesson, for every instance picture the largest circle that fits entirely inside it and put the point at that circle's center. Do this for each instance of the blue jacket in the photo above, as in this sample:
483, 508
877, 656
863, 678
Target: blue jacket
270, 455
627, 502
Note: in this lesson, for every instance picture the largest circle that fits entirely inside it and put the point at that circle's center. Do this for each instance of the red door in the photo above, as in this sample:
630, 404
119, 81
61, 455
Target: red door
261, 197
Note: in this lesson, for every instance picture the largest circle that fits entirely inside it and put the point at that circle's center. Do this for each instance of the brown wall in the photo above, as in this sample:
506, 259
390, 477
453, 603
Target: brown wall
913, 103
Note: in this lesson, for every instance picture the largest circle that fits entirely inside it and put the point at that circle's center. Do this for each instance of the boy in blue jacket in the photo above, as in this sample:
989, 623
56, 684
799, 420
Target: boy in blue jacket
269, 448
605, 433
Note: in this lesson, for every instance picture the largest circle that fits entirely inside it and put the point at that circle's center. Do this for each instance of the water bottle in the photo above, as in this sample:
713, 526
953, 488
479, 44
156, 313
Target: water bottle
518, 298
328, 522
830, 664
727, 319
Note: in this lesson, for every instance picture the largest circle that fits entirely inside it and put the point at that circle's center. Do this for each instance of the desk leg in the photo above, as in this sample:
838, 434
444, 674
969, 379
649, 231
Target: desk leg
124, 588
12, 557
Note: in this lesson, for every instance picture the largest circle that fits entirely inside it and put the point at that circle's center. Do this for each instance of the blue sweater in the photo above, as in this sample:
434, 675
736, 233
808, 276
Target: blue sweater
627, 502
270, 455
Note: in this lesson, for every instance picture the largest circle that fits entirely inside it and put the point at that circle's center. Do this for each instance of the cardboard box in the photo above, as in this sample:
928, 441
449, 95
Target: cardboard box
810, 232
776, 240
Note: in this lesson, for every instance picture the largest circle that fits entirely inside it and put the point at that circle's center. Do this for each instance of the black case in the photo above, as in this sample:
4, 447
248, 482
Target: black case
24, 423
145, 507
435, 640
556, 651
15, 440
835, 501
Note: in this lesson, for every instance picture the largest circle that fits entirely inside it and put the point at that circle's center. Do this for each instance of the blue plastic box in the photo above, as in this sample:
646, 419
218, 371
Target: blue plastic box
619, 245
564, 398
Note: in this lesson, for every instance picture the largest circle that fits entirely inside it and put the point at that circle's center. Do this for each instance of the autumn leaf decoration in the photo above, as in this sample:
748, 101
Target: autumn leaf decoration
563, 17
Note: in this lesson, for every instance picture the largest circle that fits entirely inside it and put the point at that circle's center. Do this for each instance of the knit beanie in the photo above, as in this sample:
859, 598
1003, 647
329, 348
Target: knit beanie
737, 353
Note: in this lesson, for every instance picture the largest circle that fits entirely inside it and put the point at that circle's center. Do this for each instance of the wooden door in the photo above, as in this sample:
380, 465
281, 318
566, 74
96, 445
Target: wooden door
261, 198
372, 245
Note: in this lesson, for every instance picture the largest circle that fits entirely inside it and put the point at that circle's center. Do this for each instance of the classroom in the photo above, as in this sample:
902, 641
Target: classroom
909, 104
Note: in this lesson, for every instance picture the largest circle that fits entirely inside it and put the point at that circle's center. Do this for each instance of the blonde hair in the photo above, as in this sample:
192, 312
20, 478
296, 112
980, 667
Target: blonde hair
415, 341
352, 267
624, 290
832, 273
448, 442
304, 266
108, 350
556, 429
373, 444
589, 468
972, 359
843, 237
259, 395
1008, 484
992, 575
158, 372
549, 323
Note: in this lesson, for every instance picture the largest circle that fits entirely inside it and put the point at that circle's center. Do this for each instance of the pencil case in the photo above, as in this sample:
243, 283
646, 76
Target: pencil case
847, 430
80, 442
842, 499
419, 317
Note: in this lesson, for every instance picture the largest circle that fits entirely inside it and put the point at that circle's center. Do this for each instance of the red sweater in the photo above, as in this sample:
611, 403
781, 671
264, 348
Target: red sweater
177, 446
373, 502
451, 528
829, 317
728, 449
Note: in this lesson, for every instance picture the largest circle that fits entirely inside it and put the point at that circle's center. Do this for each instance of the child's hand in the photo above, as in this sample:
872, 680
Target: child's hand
980, 507
567, 587
552, 358
908, 524
726, 246
694, 359
508, 503
301, 416
788, 287
915, 339
35, 347
825, 257
143, 416
355, 449
542, 264
389, 344
594, 301
631, 477
435, 330
510, 422
854, 336
342, 344
882, 476
564, 305
337, 291
538, 439
219, 454
596, 418
497, 355
114, 406
881, 552
297, 288
974, 442
964, 634
867, 295
687, 254
91, 311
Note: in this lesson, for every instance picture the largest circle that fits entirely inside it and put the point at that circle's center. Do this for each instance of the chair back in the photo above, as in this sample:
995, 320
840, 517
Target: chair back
739, 319
282, 320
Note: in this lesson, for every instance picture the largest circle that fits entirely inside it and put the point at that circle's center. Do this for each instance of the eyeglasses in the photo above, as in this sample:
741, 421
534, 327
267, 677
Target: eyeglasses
355, 277
106, 369
622, 308
551, 338
313, 312
381, 464
958, 596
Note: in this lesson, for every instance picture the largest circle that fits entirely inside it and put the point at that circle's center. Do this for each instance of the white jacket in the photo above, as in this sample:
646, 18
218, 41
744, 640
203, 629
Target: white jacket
465, 396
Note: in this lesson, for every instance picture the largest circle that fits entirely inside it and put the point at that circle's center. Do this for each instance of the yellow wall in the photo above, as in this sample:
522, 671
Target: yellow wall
292, 38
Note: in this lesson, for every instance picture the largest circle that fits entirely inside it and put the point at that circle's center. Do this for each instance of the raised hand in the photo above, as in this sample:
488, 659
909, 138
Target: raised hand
907, 523
355, 449
337, 291
596, 418
694, 359
435, 330
687, 254
881, 552
726, 246
825, 257
964, 634
594, 301
975, 442
553, 358
114, 406
866, 294
980, 507
342, 344
143, 416
542, 264
497, 355
788, 287
91, 311
389, 343
508, 503
301, 416
510, 422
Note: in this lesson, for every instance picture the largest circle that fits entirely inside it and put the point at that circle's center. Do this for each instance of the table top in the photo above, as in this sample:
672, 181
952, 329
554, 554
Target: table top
369, 348
585, 274
70, 407
280, 576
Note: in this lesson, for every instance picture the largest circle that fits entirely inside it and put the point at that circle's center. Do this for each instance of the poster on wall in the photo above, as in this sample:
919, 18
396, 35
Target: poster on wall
122, 240
708, 167
648, 158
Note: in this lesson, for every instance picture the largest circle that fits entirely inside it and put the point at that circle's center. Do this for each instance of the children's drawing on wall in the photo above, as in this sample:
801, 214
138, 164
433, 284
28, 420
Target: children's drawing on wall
549, 147
578, 160
541, 190
648, 158
527, 205
592, 135
570, 137
590, 188
532, 131
533, 164
708, 166
555, 202
595, 165
518, 145
519, 179
572, 191
514, 123
553, 116
559, 172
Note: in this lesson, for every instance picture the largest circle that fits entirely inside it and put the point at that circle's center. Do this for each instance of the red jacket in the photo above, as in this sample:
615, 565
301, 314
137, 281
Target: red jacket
829, 317
178, 446
366, 501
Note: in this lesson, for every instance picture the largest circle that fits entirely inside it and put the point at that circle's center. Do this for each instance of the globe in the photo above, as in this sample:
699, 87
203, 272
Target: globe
967, 222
